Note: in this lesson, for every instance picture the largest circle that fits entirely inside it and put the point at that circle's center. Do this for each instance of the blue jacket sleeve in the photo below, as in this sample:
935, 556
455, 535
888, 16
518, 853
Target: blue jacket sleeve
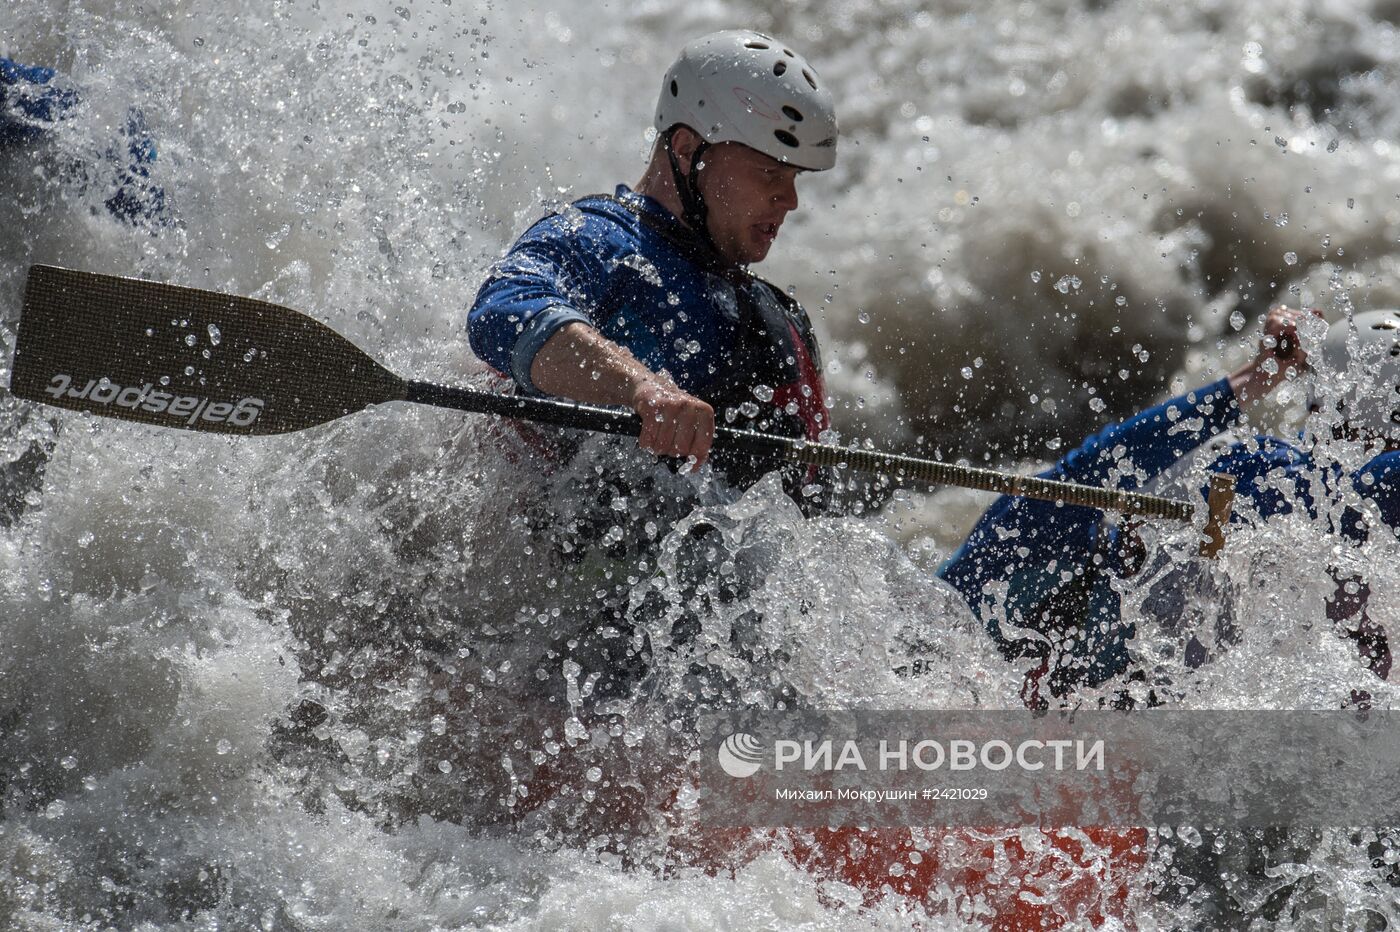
1019, 532
34, 100
1138, 450
1276, 477
556, 273
12, 72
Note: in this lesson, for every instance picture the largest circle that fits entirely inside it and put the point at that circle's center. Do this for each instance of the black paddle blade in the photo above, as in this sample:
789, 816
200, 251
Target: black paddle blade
181, 357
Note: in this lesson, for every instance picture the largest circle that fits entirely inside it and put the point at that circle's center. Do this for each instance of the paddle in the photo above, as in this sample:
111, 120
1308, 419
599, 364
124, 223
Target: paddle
199, 360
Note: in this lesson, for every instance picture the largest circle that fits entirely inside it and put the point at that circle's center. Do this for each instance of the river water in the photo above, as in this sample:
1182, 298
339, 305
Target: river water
276, 683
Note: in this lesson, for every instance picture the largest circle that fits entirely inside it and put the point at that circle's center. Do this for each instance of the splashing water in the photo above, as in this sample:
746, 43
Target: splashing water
289, 683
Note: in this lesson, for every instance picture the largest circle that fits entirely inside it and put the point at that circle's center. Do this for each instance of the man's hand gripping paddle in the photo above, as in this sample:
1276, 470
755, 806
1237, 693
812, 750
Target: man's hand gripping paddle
199, 360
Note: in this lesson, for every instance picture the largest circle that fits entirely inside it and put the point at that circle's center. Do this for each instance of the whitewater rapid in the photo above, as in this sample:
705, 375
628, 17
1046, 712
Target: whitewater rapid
1046, 215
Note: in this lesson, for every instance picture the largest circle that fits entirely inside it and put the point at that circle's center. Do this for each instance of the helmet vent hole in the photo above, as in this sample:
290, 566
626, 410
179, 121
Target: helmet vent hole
755, 45
792, 113
789, 53
675, 89
810, 80
780, 68
786, 138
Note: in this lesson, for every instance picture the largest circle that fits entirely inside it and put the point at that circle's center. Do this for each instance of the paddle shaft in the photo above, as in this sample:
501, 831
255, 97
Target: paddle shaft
907, 468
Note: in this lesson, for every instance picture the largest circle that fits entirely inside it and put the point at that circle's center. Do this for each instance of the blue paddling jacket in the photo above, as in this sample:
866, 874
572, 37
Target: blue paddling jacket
30, 103
626, 266
28, 100
1048, 567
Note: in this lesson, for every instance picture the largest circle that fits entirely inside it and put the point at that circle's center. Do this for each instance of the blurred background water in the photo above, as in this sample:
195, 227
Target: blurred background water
1045, 216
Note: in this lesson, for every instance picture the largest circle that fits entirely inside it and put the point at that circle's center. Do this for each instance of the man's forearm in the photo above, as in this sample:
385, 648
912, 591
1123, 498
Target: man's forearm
580, 363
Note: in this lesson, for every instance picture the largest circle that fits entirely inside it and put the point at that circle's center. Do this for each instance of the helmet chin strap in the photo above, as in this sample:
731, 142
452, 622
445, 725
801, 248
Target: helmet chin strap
694, 211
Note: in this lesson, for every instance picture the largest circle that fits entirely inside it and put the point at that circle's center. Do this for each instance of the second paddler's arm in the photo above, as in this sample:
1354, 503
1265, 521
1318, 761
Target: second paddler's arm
1135, 451
580, 363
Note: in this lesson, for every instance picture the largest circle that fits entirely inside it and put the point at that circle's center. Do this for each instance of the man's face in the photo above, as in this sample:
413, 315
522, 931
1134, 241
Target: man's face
748, 194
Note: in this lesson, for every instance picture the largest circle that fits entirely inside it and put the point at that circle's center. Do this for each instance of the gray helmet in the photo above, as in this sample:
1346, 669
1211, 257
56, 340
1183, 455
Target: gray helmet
745, 87
742, 86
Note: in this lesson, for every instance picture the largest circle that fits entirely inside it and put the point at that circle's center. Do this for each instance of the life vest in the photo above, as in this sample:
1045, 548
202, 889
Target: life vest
775, 348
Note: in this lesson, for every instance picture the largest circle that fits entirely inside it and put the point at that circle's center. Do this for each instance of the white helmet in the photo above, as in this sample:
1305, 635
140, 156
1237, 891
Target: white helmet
1365, 351
742, 86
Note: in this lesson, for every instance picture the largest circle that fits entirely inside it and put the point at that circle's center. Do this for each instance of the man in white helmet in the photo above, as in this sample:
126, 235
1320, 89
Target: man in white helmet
643, 298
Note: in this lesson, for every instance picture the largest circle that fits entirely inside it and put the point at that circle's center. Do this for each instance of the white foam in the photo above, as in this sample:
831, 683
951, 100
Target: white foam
366, 166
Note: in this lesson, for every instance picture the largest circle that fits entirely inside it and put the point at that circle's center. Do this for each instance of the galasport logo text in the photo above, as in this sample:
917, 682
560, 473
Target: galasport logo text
189, 408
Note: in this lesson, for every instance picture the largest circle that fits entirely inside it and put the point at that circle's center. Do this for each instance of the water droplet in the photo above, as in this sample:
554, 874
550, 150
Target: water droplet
214, 335
863, 317
191, 339
643, 266
1290, 258
1121, 301
223, 747
763, 392
967, 372
354, 743
439, 725
69, 763
1097, 404
1332, 146
1236, 320
189, 370
55, 809
1035, 276
593, 774
445, 766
